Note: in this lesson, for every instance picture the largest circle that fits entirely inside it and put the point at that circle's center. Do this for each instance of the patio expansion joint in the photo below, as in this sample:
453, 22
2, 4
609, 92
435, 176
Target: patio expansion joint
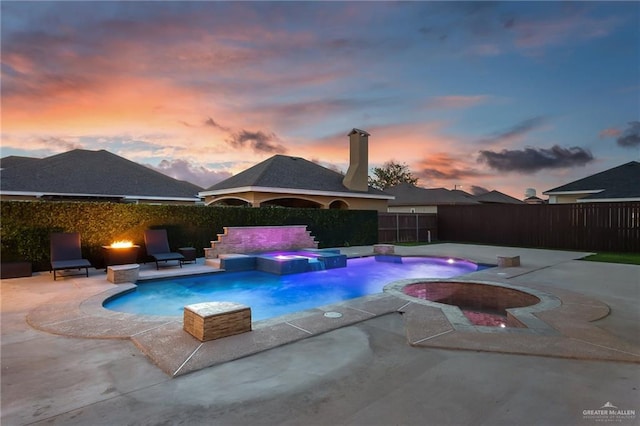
607, 347
98, 402
431, 337
175, 373
54, 323
152, 328
299, 328
400, 309
528, 272
361, 310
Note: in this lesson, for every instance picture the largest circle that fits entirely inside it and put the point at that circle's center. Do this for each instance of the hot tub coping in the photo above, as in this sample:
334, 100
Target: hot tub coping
525, 315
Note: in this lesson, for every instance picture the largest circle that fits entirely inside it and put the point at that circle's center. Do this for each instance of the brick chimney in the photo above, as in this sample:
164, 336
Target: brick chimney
356, 178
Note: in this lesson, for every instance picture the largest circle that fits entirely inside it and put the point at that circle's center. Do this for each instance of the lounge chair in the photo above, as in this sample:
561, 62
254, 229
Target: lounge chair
157, 245
66, 253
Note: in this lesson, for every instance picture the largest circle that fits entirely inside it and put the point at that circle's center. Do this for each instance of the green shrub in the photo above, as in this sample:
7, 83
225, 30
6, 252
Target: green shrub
26, 226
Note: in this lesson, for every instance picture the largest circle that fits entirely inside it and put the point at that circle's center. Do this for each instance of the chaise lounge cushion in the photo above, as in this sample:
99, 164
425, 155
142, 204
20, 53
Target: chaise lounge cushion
70, 264
66, 253
157, 246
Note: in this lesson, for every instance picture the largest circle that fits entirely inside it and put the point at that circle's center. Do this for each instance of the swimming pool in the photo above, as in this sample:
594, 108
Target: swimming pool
270, 295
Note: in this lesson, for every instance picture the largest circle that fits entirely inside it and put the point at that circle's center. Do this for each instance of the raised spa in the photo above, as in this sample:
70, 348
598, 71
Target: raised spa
481, 304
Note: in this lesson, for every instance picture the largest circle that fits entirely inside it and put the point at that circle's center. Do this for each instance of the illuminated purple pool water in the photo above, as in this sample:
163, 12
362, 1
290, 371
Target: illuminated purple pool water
271, 295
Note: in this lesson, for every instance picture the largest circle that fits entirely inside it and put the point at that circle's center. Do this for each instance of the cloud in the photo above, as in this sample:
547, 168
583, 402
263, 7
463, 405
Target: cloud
211, 123
455, 101
531, 160
258, 141
515, 132
41, 145
609, 133
575, 26
631, 136
190, 172
478, 190
328, 165
308, 109
442, 166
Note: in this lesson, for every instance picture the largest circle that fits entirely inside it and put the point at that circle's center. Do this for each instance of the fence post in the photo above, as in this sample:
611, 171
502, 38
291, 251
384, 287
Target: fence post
417, 229
397, 227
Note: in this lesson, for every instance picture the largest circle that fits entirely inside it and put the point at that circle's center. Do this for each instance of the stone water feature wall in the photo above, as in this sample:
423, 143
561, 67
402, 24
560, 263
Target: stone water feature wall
252, 239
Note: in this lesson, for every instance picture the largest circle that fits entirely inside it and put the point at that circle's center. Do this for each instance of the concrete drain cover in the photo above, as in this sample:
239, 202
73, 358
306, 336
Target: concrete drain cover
333, 314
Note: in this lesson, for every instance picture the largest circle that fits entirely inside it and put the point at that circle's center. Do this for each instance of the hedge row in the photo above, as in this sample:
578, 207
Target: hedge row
26, 226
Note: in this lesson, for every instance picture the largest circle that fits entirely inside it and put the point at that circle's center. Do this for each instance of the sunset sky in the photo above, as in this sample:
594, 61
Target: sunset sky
505, 96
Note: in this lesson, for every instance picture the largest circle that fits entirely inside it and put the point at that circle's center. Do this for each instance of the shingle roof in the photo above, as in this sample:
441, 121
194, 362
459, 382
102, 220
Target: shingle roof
410, 195
619, 182
97, 173
497, 197
14, 161
283, 171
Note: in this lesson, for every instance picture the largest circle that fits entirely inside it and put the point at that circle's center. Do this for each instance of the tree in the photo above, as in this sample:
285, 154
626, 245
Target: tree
390, 174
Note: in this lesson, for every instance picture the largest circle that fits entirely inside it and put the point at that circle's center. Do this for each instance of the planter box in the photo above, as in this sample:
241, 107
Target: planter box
15, 270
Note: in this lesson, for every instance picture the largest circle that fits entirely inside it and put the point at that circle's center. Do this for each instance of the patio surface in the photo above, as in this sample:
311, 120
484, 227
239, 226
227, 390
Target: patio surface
387, 360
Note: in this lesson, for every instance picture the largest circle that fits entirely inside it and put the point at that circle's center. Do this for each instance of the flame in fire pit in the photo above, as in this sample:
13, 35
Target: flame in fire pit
121, 244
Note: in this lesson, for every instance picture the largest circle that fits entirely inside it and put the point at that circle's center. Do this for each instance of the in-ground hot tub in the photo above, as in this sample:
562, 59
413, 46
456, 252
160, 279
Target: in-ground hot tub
473, 303
482, 304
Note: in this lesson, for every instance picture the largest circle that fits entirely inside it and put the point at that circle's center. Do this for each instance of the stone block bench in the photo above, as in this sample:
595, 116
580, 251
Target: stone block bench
383, 249
119, 274
233, 262
215, 320
508, 261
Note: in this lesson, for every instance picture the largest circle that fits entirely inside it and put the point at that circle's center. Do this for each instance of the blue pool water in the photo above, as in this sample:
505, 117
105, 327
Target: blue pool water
271, 295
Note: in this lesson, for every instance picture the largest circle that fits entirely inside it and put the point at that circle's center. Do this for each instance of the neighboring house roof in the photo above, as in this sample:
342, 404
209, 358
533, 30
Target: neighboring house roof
410, 195
534, 200
83, 173
496, 197
618, 183
461, 192
15, 160
291, 175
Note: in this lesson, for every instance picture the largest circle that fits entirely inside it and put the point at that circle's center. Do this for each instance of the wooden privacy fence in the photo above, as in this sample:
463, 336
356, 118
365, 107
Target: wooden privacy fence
407, 227
581, 226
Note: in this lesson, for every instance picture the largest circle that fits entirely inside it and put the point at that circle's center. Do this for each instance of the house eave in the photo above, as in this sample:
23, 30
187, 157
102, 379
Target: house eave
586, 191
608, 200
76, 194
294, 191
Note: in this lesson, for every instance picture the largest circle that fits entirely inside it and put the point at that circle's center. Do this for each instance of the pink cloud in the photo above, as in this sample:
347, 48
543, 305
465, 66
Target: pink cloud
190, 172
610, 133
456, 101
532, 34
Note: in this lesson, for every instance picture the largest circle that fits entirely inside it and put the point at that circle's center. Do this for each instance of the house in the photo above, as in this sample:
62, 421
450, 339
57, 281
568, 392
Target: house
534, 200
496, 197
284, 181
621, 183
83, 175
414, 199
531, 198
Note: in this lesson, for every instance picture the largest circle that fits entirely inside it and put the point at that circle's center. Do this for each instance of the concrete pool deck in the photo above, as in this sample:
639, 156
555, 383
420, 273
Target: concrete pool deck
86, 377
